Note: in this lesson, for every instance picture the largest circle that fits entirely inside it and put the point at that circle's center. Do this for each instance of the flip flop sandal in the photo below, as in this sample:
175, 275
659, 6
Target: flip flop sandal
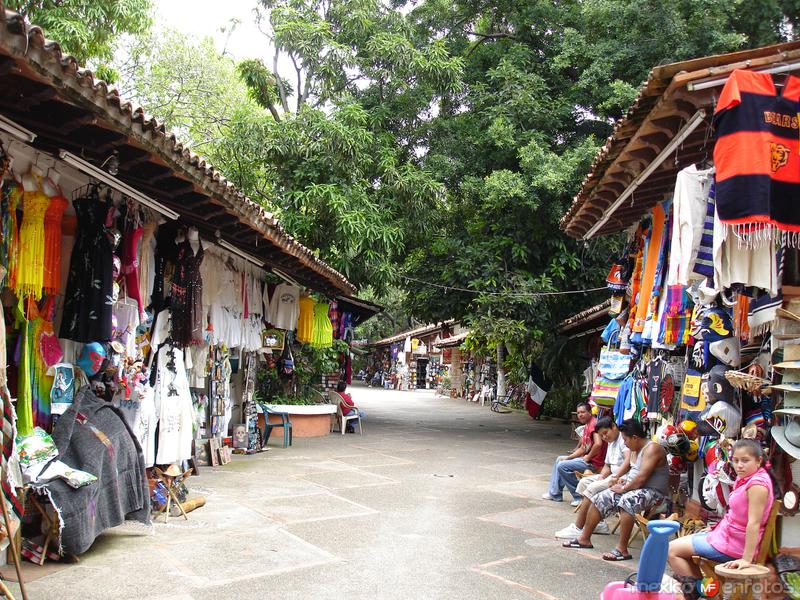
576, 544
616, 556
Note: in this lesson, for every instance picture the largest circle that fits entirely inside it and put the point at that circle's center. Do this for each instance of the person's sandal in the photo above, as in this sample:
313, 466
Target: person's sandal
616, 556
576, 544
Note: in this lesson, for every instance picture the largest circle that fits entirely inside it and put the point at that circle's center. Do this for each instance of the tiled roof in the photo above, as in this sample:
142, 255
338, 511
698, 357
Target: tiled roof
419, 331
587, 316
662, 107
98, 105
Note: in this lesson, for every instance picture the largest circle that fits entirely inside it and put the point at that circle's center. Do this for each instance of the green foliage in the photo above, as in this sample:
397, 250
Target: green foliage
87, 29
187, 85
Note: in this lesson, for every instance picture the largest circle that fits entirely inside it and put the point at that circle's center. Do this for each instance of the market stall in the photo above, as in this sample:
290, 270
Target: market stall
411, 359
703, 340
143, 296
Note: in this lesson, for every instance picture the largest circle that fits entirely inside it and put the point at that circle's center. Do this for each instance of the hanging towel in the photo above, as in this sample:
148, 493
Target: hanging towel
704, 263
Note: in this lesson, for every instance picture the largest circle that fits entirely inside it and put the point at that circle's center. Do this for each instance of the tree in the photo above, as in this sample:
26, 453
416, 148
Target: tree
185, 83
542, 84
87, 29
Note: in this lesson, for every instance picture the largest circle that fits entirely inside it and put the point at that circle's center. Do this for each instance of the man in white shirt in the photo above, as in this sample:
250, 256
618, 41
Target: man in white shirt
617, 463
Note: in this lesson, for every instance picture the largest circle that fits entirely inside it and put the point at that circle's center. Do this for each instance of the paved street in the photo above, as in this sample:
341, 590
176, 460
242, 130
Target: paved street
438, 499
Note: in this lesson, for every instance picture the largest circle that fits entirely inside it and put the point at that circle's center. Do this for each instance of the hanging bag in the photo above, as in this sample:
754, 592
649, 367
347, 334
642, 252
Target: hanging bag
611, 371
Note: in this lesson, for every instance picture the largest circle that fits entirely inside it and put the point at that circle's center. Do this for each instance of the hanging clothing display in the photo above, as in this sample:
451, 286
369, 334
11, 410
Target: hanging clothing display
172, 398
690, 208
30, 262
88, 297
757, 156
52, 244
305, 322
284, 307
187, 296
9, 244
322, 336
130, 264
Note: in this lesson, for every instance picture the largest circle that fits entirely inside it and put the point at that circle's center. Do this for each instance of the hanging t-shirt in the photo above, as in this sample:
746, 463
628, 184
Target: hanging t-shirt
284, 308
757, 152
689, 206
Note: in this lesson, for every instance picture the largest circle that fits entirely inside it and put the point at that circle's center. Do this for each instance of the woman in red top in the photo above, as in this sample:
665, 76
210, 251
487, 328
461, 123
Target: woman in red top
347, 404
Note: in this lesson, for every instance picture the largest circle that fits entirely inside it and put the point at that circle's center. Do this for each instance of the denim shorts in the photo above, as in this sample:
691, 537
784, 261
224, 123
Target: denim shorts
702, 548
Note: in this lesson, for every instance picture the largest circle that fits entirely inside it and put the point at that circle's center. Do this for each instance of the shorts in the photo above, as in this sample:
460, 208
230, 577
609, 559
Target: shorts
633, 502
702, 548
589, 487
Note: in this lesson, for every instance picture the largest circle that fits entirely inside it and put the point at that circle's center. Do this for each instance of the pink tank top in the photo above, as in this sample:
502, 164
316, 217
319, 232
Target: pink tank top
729, 534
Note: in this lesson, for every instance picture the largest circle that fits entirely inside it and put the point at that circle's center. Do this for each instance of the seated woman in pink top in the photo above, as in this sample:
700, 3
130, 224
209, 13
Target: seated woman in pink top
737, 537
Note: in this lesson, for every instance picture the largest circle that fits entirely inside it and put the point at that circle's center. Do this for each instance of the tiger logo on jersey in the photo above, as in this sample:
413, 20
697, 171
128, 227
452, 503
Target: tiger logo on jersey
779, 155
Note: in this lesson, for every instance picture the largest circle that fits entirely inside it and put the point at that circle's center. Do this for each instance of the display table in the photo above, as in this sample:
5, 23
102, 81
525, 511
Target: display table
308, 420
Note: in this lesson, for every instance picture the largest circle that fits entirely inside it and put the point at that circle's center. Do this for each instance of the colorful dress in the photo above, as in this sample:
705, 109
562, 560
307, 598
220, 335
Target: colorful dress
52, 244
30, 268
88, 301
9, 244
187, 297
322, 336
305, 323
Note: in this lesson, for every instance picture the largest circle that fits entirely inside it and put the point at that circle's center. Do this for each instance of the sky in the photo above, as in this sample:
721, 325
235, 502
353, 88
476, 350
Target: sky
206, 17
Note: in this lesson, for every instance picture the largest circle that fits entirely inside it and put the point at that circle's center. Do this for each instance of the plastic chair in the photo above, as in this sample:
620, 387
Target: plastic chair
285, 423
343, 418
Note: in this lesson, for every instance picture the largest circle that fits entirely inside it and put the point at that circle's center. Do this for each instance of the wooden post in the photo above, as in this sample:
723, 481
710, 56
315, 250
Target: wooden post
14, 553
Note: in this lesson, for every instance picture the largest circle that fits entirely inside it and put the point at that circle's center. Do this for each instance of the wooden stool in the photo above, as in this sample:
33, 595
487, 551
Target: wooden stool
52, 523
170, 478
739, 582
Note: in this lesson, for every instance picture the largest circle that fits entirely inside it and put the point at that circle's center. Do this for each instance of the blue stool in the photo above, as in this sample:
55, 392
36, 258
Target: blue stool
285, 423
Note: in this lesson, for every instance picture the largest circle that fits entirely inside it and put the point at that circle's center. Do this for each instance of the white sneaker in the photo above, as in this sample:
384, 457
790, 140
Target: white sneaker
569, 533
575, 502
547, 496
602, 528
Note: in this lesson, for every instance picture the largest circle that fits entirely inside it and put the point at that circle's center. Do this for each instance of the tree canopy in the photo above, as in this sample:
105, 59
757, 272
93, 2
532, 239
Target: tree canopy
427, 150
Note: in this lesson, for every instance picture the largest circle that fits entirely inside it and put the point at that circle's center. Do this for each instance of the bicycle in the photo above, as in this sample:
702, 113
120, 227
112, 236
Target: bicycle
514, 397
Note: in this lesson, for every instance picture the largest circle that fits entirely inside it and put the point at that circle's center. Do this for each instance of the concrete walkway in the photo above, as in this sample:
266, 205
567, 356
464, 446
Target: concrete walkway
438, 499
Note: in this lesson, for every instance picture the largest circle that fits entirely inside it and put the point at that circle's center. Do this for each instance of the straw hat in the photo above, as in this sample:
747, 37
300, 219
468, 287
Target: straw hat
790, 310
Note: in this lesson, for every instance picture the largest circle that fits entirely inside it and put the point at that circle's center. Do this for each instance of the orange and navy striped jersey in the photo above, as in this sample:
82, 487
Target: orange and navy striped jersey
757, 151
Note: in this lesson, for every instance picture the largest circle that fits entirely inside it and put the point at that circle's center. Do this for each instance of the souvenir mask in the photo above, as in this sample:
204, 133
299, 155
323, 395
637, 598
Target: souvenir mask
91, 358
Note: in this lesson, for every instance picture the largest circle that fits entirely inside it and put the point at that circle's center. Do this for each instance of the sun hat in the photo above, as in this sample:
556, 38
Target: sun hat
788, 437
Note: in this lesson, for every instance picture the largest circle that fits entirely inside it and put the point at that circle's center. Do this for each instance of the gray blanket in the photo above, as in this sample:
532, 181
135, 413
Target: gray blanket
93, 436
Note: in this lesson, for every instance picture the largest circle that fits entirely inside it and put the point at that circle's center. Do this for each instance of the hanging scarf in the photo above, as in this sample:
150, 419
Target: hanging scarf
762, 311
677, 316
654, 247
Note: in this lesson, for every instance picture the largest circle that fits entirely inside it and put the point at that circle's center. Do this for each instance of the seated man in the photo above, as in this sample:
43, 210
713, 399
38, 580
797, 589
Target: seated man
617, 464
589, 454
646, 486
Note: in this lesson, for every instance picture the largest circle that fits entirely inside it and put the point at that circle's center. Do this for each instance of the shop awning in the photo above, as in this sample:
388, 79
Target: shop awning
585, 322
360, 309
69, 110
418, 332
666, 129
453, 341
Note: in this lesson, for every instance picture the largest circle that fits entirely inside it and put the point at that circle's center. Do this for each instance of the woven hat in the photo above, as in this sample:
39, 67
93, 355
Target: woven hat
788, 437
790, 310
